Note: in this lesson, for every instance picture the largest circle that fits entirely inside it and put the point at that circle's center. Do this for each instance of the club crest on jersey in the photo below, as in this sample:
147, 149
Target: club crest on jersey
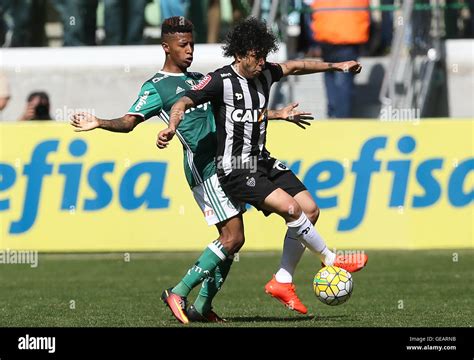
205, 80
248, 115
251, 182
238, 96
190, 82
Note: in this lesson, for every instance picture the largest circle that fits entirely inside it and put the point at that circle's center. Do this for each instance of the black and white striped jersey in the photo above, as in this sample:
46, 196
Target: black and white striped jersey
240, 111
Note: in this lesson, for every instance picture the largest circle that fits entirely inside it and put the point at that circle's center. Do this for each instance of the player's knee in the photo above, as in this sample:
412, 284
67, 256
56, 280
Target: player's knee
232, 242
239, 243
316, 214
294, 210
312, 213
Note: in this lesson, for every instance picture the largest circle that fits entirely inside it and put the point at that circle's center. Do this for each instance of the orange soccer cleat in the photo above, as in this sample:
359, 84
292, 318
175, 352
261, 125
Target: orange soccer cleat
285, 293
177, 305
352, 262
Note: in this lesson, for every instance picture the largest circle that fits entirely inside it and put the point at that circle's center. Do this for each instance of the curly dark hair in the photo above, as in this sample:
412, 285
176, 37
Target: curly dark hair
250, 35
176, 24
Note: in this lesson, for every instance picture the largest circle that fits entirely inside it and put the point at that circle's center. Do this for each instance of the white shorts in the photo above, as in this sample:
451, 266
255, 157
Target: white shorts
214, 203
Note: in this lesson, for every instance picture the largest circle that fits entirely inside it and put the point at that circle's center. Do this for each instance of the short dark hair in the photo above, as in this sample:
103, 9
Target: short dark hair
250, 35
176, 24
41, 94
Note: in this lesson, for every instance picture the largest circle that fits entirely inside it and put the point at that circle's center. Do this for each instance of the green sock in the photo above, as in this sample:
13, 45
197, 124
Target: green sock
212, 285
212, 256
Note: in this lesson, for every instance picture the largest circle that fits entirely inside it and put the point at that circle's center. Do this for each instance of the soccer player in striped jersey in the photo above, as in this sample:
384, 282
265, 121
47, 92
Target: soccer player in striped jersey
239, 95
197, 134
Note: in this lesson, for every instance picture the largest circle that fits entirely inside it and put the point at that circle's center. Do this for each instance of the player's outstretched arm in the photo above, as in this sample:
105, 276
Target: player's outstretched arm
303, 67
289, 113
85, 122
176, 115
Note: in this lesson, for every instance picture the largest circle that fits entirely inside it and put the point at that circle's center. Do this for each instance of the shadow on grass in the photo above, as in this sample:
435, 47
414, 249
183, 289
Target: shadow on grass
333, 317
268, 318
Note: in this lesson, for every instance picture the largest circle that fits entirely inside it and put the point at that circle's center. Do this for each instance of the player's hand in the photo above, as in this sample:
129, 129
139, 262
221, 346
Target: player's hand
289, 113
83, 121
349, 66
30, 112
164, 137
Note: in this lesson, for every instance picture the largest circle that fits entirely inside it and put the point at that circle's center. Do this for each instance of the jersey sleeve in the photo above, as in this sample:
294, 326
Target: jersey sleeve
208, 89
275, 70
148, 103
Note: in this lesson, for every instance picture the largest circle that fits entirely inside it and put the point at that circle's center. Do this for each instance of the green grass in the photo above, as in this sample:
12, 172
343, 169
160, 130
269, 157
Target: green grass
107, 291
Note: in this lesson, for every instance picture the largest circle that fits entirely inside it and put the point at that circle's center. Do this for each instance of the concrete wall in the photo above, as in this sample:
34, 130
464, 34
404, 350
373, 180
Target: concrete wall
460, 69
106, 80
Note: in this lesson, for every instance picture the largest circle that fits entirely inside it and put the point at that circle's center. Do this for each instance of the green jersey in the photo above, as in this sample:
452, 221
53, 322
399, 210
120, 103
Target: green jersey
197, 131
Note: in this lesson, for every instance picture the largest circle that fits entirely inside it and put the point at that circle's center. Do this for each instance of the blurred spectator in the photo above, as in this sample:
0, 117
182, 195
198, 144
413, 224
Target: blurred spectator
60, 6
240, 9
198, 14
306, 40
340, 26
387, 28
4, 91
23, 22
124, 21
206, 17
37, 107
170, 8
470, 26
417, 32
213, 21
3, 23
79, 20
459, 21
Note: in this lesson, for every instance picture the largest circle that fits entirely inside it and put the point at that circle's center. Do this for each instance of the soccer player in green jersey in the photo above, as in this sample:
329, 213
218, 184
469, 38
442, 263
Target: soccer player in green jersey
197, 134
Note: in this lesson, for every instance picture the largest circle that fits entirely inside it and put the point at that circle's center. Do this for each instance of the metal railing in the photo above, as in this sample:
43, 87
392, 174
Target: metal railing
416, 48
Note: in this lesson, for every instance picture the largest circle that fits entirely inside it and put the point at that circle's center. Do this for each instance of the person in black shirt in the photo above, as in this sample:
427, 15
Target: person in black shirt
239, 95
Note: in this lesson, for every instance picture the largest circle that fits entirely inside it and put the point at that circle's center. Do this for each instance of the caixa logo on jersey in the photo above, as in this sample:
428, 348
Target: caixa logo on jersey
248, 115
142, 100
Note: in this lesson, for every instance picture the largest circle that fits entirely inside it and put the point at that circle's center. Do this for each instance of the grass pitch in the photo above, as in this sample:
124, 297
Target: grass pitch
397, 289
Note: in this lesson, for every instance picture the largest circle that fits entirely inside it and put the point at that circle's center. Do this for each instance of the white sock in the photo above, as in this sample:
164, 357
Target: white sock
307, 234
328, 256
291, 256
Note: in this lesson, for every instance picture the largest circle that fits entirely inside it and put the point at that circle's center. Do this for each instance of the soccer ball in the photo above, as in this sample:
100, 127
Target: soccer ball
333, 285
